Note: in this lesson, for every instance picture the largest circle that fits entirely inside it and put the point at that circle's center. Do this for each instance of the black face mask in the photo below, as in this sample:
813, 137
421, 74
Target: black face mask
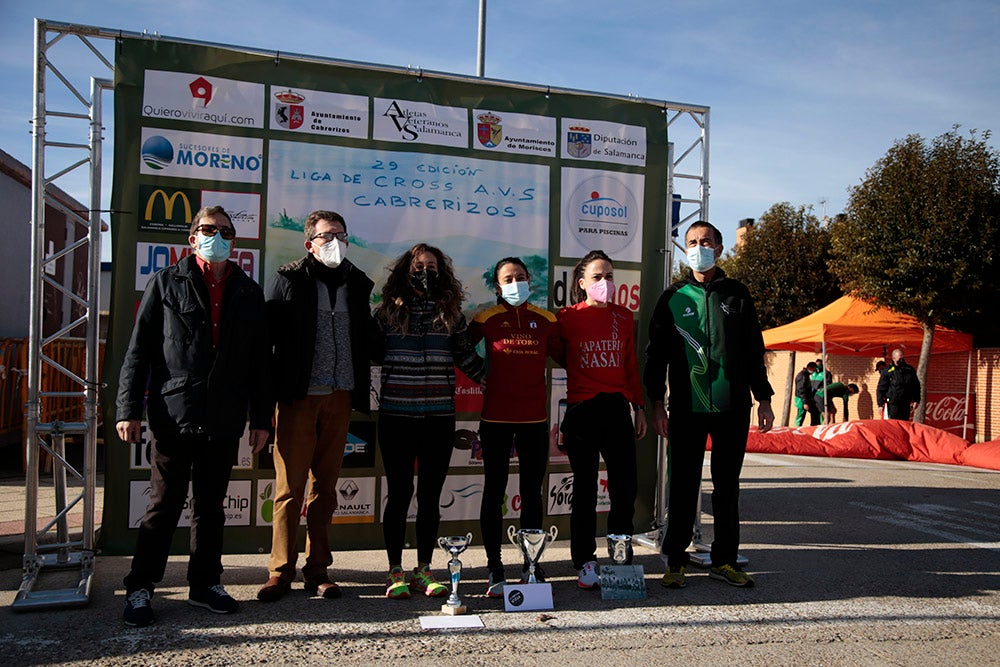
425, 281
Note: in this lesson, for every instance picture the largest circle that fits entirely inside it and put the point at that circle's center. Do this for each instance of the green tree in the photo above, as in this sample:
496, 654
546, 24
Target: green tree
783, 262
921, 233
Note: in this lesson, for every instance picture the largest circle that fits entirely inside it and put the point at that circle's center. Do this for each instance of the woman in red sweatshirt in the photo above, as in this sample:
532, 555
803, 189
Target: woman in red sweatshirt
603, 390
519, 336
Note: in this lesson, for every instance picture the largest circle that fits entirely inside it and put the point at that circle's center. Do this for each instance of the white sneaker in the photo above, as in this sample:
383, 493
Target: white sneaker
588, 576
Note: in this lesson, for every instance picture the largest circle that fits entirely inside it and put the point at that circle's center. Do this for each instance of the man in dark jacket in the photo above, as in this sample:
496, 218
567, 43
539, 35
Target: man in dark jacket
805, 396
705, 340
898, 388
197, 353
321, 328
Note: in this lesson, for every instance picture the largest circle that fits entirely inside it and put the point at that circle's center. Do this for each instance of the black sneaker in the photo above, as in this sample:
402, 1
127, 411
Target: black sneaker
138, 611
539, 574
214, 599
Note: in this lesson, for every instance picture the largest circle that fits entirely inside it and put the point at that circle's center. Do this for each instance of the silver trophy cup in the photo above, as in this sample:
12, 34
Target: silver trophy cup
620, 548
454, 545
532, 542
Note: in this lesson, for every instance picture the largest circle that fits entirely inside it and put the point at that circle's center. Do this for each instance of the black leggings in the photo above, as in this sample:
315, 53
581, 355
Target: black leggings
426, 441
600, 427
532, 443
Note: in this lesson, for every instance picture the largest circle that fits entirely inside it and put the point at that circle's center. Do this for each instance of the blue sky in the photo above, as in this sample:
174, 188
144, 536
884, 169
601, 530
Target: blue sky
804, 97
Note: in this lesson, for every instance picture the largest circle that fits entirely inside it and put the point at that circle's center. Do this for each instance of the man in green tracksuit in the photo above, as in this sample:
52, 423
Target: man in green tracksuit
835, 390
705, 340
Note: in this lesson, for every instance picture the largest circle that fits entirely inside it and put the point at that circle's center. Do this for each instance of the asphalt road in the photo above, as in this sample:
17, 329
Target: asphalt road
857, 563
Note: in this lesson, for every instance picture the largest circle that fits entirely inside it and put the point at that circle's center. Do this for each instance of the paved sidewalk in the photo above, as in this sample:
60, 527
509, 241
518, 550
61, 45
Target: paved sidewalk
857, 562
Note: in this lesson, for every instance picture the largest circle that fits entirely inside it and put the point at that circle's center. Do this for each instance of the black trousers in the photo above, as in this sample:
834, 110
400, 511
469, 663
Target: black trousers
899, 411
599, 427
498, 439
207, 463
425, 441
686, 437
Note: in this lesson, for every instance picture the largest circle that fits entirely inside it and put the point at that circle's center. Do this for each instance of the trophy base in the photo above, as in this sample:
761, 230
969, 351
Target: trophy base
454, 611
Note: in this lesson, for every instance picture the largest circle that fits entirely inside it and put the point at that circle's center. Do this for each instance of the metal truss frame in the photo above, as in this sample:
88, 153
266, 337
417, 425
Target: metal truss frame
687, 176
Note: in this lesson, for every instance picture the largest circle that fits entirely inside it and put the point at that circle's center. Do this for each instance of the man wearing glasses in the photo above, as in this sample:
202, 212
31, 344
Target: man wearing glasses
320, 324
196, 355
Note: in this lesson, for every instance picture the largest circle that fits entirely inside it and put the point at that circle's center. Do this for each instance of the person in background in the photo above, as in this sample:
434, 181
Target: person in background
818, 379
705, 340
830, 392
519, 336
320, 326
197, 362
899, 388
423, 336
605, 414
805, 396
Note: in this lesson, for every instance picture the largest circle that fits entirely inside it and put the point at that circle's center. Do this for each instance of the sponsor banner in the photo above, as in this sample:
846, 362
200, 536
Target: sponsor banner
151, 257
316, 112
210, 157
141, 453
468, 394
166, 209
243, 209
355, 500
461, 498
627, 287
507, 132
560, 494
468, 450
236, 503
601, 210
557, 410
202, 99
948, 413
359, 450
601, 141
264, 515
420, 123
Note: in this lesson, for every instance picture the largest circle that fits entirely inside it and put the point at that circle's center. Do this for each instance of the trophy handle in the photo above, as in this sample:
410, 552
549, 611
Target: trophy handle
468, 537
553, 532
441, 542
512, 535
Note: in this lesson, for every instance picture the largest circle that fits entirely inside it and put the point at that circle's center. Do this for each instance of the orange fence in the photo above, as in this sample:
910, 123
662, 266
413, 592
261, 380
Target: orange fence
69, 353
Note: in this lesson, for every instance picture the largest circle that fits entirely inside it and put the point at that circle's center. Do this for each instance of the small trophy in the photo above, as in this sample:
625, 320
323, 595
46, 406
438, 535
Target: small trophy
532, 542
622, 581
620, 548
454, 545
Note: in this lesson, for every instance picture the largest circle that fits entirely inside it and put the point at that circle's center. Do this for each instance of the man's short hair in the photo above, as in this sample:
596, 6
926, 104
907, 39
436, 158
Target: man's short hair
206, 211
316, 216
701, 223
853, 388
811, 366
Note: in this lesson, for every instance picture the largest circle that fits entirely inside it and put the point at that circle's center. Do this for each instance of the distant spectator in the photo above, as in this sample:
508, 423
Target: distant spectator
835, 390
899, 388
805, 396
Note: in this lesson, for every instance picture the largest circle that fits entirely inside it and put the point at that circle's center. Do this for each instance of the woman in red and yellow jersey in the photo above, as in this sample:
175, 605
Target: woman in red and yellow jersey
519, 336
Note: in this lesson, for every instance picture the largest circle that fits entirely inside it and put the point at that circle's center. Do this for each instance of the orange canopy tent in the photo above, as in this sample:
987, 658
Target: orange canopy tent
856, 327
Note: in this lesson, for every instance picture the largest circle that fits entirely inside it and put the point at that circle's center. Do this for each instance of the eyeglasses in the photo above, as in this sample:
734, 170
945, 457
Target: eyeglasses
329, 236
227, 233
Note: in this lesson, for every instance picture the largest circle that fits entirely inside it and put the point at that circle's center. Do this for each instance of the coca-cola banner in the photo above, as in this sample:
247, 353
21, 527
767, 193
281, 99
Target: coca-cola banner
948, 413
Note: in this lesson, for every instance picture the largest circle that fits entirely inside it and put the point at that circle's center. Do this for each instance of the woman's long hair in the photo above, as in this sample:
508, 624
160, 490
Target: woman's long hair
397, 293
577, 294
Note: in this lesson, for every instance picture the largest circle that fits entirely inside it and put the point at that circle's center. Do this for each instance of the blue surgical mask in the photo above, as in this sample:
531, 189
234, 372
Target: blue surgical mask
213, 248
701, 258
515, 293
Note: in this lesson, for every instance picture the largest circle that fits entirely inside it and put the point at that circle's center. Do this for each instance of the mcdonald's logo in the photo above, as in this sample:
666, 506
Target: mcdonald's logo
164, 207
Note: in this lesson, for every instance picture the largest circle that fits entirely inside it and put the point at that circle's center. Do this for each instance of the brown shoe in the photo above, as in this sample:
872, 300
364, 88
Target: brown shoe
323, 588
273, 590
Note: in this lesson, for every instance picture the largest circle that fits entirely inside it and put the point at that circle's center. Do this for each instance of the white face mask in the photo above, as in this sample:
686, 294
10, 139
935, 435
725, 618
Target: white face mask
515, 293
700, 258
213, 248
332, 253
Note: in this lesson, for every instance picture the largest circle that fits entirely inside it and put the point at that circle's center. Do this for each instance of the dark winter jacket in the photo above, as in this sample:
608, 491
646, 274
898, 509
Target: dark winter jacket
706, 340
898, 385
195, 388
291, 312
